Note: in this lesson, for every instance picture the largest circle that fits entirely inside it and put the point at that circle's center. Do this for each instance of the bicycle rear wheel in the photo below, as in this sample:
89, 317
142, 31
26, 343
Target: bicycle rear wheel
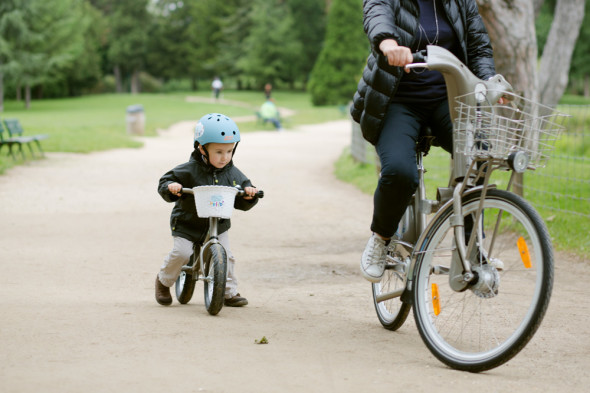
216, 275
490, 321
392, 312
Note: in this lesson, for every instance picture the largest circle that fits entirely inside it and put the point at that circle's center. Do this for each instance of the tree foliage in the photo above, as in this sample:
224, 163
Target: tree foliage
335, 75
69, 47
580, 68
273, 52
42, 42
309, 18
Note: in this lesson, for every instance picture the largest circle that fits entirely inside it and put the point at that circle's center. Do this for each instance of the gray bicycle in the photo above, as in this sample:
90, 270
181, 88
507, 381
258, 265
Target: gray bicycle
476, 264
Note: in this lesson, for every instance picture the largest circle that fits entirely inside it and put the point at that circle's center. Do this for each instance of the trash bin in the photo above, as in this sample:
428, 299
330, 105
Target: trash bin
135, 120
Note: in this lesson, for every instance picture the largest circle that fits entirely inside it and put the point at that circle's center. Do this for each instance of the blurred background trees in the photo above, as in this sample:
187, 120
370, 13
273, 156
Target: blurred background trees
60, 48
341, 61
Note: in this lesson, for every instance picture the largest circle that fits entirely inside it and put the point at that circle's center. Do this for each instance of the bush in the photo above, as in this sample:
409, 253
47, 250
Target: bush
336, 73
149, 84
107, 85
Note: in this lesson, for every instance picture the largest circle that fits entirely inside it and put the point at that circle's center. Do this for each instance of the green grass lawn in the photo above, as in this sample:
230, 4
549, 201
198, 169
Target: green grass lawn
98, 122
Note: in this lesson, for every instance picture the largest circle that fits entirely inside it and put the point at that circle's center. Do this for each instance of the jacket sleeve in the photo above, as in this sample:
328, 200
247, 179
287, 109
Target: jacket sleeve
379, 22
480, 56
167, 178
241, 203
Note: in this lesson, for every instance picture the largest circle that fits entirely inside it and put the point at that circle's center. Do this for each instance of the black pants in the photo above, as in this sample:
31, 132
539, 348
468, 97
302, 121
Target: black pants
397, 151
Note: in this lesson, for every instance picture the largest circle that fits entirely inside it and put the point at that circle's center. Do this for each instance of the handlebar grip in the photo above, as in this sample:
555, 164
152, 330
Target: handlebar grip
419, 57
259, 194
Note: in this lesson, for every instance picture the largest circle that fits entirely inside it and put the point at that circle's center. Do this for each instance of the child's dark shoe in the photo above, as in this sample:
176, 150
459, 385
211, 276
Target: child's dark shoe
163, 293
236, 301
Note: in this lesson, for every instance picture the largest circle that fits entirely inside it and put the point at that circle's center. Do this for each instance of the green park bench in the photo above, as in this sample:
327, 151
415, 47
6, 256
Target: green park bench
6, 139
15, 130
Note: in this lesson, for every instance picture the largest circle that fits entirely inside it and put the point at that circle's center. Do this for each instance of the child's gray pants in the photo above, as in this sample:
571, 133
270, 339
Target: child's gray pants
180, 255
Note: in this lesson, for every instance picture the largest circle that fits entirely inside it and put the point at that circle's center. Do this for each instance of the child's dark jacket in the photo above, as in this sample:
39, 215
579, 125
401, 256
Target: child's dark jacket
184, 221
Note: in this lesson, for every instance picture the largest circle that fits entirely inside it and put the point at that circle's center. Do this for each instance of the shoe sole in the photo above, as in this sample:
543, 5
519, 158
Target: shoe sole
236, 304
370, 278
164, 303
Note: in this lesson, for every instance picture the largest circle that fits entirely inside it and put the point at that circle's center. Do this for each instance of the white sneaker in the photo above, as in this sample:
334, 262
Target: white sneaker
497, 263
373, 259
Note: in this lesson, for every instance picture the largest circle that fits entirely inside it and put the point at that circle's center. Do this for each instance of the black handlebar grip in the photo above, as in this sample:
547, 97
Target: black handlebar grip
419, 57
260, 194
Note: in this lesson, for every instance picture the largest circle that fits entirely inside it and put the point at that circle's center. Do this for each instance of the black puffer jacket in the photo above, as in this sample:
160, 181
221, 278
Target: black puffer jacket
184, 221
398, 19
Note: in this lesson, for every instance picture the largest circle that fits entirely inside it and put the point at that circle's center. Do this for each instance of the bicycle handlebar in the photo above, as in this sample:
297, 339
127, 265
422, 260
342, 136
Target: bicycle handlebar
241, 192
459, 79
461, 82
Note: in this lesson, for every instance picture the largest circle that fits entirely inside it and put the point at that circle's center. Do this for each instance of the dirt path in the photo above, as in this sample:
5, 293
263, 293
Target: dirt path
82, 237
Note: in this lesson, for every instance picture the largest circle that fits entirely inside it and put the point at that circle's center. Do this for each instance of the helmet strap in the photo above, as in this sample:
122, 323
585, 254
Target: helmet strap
203, 150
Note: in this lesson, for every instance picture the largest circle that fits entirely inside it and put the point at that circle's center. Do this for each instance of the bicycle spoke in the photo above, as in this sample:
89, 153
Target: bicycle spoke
489, 321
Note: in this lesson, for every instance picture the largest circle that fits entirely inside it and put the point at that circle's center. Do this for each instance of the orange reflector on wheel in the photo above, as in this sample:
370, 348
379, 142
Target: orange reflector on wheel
524, 252
435, 299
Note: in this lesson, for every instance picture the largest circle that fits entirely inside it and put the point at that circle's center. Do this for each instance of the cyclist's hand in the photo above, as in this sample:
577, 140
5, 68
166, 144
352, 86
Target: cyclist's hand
396, 55
250, 192
175, 188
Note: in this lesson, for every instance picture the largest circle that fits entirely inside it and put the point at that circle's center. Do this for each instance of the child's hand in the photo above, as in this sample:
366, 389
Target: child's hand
175, 189
250, 192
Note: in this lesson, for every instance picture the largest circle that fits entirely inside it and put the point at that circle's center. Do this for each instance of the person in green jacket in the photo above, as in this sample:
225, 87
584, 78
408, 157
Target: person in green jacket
270, 113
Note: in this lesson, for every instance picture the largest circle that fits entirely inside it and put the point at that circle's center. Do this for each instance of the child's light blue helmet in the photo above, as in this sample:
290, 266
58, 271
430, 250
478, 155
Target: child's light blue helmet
216, 128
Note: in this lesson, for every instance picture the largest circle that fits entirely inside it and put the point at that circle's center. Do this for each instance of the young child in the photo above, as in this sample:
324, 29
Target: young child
215, 142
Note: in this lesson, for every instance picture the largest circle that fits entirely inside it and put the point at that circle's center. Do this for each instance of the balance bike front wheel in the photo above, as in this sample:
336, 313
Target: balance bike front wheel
216, 275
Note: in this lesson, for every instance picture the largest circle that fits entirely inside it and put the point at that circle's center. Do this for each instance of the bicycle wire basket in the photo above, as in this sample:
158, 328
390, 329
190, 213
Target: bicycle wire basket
489, 130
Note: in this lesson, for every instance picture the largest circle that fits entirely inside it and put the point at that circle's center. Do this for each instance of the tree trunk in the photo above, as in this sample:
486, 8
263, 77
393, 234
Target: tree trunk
586, 85
27, 96
135, 87
511, 25
557, 53
118, 82
19, 95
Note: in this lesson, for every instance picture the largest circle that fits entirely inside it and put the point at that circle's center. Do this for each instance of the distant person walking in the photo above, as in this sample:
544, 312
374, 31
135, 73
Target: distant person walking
268, 91
216, 86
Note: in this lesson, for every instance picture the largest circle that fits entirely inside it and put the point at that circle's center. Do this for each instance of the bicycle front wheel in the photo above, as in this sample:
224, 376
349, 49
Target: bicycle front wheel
216, 275
490, 321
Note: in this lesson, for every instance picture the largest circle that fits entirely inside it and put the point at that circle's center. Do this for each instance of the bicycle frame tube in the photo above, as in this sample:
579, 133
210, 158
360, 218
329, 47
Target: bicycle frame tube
419, 247
419, 203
